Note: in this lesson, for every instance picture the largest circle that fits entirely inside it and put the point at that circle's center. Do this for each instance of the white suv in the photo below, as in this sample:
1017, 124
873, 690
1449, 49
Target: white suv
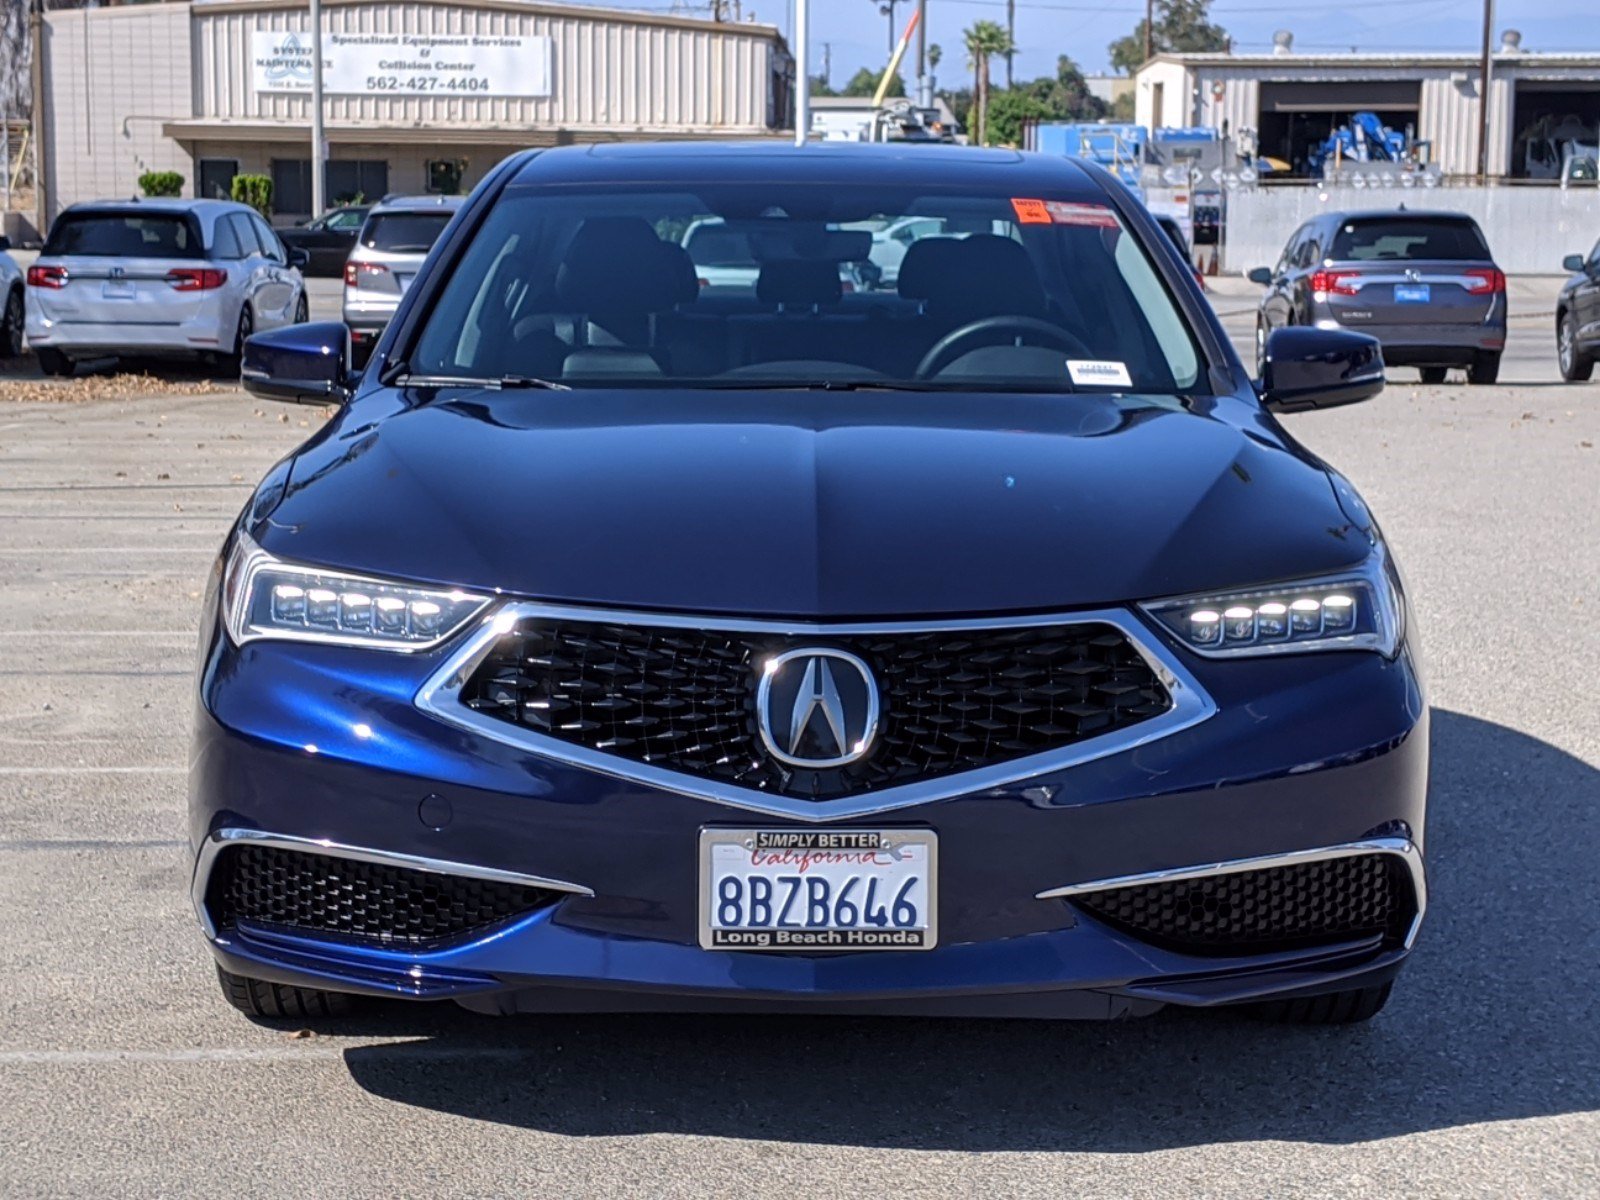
158, 277
389, 252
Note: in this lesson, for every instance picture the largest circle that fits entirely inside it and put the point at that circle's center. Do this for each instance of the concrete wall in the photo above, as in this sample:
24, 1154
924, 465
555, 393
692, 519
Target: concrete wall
1529, 229
111, 76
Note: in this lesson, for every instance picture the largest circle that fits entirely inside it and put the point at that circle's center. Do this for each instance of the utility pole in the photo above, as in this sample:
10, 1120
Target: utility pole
1485, 72
924, 89
1011, 37
802, 70
827, 64
1149, 28
319, 141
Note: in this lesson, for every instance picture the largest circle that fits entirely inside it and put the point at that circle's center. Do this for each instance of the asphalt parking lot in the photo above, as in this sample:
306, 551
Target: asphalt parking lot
122, 1072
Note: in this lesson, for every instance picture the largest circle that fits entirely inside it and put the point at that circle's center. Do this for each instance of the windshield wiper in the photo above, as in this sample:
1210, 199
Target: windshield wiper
496, 383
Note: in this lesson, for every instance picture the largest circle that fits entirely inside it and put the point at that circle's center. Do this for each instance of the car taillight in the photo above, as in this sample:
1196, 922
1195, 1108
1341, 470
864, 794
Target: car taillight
365, 274
1334, 283
196, 279
1486, 281
47, 277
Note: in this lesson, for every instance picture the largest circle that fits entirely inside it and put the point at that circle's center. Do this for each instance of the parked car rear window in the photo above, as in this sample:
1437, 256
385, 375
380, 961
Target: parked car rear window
119, 235
1387, 238
404, 233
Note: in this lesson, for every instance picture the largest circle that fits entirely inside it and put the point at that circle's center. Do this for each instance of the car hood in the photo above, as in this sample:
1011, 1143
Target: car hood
808, 504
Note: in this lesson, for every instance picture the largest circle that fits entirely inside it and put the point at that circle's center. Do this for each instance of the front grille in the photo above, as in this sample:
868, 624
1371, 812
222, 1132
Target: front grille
1331, 900
359, 901
684, 699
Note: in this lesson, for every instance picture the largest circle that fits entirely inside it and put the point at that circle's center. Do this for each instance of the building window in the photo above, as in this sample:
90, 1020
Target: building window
444, 175
357, 181
291, 186
216, 178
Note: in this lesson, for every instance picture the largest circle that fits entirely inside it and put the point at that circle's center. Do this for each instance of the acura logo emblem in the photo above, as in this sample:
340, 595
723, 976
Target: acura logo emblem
817, 708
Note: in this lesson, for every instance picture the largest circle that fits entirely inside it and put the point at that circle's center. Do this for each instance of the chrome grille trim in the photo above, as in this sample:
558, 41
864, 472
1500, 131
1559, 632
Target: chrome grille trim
1403, 848
440, 697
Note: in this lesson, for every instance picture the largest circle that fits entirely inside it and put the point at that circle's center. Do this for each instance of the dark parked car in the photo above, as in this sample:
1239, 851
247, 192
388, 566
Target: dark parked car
980, 646
329, 239
1578, 316
1422, 283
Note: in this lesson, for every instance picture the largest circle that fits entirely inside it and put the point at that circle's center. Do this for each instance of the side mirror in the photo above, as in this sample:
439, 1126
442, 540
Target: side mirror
1261, 275
5, 243
1572, 262
299, 256
1308, 368
300, 364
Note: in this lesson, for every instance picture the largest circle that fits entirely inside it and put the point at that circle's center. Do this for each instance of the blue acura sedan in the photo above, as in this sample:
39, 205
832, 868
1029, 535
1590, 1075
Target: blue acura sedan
975, 644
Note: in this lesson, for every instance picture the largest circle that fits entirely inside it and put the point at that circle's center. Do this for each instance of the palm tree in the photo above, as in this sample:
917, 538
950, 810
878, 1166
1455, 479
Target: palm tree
983, 40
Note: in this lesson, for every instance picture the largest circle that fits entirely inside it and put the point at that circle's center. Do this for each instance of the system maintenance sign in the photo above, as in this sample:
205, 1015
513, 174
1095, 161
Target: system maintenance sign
403, 64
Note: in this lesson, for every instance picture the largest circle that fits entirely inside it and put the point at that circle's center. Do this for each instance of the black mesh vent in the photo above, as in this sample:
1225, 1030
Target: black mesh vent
685, 699
1333, 900
367, 902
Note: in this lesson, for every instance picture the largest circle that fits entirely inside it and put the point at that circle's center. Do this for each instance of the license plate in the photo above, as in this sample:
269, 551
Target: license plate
117, 289
1419, 293
818, 889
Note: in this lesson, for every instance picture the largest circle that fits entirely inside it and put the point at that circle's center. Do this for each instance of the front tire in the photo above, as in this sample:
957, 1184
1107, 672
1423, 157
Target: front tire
1336, 1008
1432, 374
278, 1001
302, 310
1485, 368
11, 325
1576, 366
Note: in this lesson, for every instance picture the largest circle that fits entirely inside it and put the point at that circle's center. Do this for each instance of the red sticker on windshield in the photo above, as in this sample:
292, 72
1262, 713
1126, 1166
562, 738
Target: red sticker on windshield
1060, 212
1031, 212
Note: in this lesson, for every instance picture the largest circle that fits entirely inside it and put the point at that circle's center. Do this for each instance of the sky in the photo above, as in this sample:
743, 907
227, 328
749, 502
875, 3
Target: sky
858, 36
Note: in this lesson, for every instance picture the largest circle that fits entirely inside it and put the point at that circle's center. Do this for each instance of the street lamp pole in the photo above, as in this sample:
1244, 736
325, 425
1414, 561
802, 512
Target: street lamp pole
319, 141
1485, 72
802, 70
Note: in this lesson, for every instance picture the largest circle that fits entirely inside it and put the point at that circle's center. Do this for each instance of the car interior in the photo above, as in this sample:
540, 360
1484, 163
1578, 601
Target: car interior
553, 289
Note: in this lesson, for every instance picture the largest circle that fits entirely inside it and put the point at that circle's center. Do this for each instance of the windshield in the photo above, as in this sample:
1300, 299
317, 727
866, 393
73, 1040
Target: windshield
118, 236
638, 287
403, 232
1389, 238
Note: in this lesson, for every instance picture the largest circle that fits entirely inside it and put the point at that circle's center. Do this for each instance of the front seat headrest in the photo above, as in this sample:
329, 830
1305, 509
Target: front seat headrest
619, 265
987, 276
927, 260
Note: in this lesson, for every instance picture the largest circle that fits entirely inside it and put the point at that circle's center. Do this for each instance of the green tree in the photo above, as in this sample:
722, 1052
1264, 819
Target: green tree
865, 83
1122, 108
1180, 26
935, 53
983, 40
1008, 109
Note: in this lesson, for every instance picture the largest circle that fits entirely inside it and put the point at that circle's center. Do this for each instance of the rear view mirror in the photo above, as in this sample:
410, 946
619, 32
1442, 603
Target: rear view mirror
1261, 275
1572, 262
1307, 368
300, 364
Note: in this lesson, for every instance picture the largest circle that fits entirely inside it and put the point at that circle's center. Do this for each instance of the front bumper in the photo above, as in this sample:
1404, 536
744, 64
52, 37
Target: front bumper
1312, 753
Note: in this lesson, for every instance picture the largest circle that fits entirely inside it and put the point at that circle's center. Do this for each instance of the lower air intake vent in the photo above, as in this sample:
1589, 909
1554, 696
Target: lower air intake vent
359, 901
1249, 912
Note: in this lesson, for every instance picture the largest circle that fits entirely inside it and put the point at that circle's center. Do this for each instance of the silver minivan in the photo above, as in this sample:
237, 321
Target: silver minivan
388, 253
1423, 283
158, 277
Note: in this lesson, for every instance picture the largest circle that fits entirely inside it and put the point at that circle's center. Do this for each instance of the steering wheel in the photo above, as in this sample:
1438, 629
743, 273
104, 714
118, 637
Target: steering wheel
995, 331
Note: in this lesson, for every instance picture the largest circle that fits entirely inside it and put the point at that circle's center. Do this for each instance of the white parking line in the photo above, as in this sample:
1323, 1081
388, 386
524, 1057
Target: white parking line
94, 770
82, 633
302, 1049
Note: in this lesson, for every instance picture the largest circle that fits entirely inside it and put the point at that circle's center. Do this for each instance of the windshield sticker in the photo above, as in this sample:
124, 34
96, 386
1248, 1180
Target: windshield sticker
1061, 212
1098, 372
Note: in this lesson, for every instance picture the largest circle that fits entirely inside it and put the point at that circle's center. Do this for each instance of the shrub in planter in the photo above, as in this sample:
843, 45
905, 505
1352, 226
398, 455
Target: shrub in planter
161, 183
254, 190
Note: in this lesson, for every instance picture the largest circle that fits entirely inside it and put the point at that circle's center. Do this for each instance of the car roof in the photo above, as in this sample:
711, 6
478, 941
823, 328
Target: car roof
158, 204
1014, 172
1405, 214
391, 204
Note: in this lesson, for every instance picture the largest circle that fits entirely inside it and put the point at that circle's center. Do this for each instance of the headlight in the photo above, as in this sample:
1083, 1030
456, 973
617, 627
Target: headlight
1359, 610
264, 597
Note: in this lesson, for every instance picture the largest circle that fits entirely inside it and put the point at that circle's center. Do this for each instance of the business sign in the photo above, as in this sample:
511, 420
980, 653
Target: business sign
403, 64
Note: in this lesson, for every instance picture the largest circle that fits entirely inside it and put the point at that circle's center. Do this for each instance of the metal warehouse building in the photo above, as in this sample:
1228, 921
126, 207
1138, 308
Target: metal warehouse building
420, 94
1282, 103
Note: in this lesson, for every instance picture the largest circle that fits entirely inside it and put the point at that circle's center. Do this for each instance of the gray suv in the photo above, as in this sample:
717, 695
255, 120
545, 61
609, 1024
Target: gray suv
1422, 283
389, 251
